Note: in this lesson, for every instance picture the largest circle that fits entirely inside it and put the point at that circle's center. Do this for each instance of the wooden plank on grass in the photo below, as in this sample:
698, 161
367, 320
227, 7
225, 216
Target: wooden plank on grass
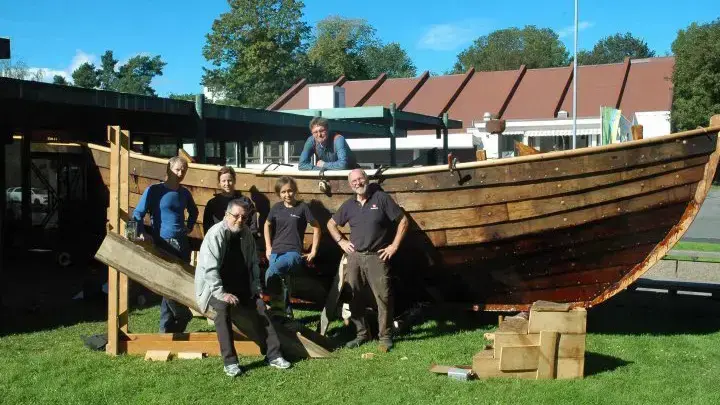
570, 368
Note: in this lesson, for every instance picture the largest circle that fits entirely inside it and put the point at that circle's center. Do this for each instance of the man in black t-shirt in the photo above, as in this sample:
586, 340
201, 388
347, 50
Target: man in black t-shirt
371, 215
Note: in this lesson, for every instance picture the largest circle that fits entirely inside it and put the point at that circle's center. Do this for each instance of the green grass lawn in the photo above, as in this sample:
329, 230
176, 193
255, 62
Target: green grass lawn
642, 348
698, 246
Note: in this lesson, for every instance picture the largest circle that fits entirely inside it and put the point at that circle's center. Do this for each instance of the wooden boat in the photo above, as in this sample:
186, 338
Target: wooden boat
572, 226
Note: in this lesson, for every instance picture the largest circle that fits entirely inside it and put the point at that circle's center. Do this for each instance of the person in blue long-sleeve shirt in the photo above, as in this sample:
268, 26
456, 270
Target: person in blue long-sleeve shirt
166, 203
331, 154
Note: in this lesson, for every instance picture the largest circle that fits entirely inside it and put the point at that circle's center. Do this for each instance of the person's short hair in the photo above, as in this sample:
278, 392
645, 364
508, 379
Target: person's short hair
361, 171
176, 159
237, 202
319, 122
283, 181
226, 170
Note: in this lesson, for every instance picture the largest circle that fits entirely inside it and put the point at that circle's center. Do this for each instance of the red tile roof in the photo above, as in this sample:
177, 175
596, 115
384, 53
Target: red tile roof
637, 85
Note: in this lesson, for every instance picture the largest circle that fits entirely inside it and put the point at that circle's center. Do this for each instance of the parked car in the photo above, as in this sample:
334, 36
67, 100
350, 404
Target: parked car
37, 196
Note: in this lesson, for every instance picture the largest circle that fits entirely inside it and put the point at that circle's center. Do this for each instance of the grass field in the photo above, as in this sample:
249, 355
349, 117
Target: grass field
642, 348
697, 246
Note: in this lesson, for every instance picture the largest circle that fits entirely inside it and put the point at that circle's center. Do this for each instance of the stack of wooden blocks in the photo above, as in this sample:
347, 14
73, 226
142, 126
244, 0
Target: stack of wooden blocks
550, 344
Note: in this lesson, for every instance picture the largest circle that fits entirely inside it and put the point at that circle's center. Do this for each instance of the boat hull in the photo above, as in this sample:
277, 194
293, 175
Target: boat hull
574, 226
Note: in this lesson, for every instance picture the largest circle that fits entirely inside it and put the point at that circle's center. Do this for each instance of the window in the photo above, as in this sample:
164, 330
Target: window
253, 153
231, 155
294, 150
273, 152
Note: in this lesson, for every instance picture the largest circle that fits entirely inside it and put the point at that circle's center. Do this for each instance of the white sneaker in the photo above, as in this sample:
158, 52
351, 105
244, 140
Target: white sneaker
280, 363
233, 370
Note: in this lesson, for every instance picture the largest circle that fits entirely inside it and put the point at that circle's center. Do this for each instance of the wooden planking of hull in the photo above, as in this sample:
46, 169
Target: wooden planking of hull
573, 226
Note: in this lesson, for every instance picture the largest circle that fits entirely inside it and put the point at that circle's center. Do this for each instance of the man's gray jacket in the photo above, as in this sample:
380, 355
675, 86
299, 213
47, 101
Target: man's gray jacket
212, 253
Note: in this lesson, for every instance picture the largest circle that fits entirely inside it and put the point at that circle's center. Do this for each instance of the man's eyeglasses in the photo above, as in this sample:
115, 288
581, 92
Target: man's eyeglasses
236, 216
319, 131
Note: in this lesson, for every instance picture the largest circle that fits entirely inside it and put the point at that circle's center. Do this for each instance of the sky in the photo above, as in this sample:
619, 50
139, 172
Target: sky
59, 35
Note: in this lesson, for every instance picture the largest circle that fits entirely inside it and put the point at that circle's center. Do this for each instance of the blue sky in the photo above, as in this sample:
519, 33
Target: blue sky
60, 35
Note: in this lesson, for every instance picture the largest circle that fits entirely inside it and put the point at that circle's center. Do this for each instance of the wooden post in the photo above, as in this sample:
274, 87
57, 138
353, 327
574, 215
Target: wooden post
715, 120
637, 132
113, 216
200, 133
445, 134
124, 216
242, 151
480, 155
25, 204
393, 136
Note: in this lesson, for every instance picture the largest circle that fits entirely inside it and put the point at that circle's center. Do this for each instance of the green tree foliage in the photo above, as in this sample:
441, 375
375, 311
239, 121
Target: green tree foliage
57, 79
136, 75
350, 47
614, 49
86, 76
133, 77
696, 79
182, 96
257, 51
510, 48
20, 70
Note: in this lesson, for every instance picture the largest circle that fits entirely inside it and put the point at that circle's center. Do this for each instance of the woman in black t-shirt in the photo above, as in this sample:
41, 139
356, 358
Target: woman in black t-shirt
284, 234
216, 207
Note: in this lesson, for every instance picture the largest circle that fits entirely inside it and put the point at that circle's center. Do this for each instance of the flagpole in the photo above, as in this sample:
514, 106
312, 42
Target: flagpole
574, 106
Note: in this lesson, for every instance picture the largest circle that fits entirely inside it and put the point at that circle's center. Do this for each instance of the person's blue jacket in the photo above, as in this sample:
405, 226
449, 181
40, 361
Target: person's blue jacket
337, 157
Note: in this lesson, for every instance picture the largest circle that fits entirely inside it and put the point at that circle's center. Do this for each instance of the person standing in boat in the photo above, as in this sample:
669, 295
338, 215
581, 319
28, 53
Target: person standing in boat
216, 207
330, 154
284, 233
166, 203
227, 278
371, 214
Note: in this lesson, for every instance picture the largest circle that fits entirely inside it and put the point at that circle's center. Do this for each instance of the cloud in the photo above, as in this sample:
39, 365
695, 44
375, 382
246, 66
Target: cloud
446, 37
582, 25
47, 74
80, 58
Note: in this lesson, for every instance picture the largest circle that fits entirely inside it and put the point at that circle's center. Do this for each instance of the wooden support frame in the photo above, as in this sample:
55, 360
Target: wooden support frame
120, 340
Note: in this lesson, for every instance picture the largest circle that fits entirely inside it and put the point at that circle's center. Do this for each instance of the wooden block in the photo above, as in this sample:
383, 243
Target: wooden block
480, 155
514, 324
189, 355
569, 345
440, 369
562, 322
548, 355
570, 368
157, 355
203, 342
549, 306
485, 366
518, 358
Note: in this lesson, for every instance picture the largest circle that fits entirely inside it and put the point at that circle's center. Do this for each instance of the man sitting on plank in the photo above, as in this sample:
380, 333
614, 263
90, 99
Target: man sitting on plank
227, 278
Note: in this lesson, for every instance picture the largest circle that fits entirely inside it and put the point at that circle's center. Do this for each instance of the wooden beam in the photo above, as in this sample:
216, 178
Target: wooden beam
113, 216
199, 342
518, 79
421, 80
124, 214
626, 73
468, 75
547, 355
378, 82
561, 99
340, 81
200, 129
285, 97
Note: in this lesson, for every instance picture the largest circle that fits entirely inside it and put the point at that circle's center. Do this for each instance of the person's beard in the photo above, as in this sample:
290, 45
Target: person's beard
361, 190
234, 228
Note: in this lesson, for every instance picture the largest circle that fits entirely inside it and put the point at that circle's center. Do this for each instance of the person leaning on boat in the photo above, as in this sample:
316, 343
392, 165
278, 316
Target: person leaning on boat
330, 154
166, 203
371, 214
227, 278
216, 206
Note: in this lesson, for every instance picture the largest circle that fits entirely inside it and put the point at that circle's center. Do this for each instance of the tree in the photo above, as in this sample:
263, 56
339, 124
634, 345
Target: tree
510, 48
339, 47
136, 75
107, 74
696, 78
182, 96
57, 79
614, 49
86, 76
17, 70
390, 59
257, 51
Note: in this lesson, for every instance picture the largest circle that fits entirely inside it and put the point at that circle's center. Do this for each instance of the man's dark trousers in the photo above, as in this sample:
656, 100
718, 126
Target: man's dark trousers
366, 268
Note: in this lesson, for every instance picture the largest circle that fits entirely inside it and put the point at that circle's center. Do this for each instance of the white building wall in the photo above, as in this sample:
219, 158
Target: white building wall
655, 123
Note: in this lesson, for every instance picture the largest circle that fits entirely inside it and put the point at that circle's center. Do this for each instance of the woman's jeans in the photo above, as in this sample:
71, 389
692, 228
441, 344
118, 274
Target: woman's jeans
281, 265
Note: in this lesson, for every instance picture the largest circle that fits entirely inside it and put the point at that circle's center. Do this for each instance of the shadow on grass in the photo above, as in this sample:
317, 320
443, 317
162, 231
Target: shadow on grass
596, 363
38, 295
653, 313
